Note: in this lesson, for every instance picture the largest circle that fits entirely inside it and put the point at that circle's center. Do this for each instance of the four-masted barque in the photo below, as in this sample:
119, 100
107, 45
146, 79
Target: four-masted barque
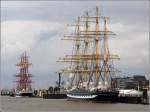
91, 64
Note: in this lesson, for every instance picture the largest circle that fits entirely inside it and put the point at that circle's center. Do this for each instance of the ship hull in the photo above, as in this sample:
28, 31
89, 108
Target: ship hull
80, 95
97, 96
130, 99
106, 96
55, 96
24, 94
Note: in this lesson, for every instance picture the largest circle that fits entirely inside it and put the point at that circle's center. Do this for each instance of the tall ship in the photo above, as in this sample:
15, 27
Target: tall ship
23, 78
91, 69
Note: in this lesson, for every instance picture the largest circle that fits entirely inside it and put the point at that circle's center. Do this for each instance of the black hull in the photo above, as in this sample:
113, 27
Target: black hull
55, 96
27, 94
109, 96
130, 99
24, 94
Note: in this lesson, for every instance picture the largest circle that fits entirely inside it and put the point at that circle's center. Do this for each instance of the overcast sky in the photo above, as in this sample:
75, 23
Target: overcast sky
37, 27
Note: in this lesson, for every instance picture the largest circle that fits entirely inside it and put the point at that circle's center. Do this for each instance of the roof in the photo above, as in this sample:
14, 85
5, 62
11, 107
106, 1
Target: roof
139, 78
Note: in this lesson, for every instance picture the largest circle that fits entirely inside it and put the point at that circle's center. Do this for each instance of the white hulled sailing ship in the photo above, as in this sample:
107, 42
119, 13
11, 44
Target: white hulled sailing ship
24, 82
91, 64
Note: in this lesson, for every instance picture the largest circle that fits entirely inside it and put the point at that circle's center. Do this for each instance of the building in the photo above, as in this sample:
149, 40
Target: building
134, 82
121, 82
142, 81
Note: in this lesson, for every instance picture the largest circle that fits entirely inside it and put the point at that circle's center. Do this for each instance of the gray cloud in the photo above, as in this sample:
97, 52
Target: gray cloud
63, 11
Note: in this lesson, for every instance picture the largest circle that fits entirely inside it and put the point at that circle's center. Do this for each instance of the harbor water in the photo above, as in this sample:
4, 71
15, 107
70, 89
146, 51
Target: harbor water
13, 104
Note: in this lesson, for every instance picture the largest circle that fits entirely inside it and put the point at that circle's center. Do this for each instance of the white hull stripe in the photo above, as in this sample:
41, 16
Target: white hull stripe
82, 97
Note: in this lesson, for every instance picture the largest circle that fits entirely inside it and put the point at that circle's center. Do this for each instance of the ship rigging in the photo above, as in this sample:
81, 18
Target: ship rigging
24, 77
91, 63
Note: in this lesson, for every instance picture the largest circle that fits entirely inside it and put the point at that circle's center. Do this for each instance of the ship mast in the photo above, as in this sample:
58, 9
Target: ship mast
106, 52
23, 82
91, 58
77, 75
97, 48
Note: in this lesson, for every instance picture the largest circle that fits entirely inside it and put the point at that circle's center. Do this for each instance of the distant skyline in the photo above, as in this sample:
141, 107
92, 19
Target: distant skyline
38, 26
